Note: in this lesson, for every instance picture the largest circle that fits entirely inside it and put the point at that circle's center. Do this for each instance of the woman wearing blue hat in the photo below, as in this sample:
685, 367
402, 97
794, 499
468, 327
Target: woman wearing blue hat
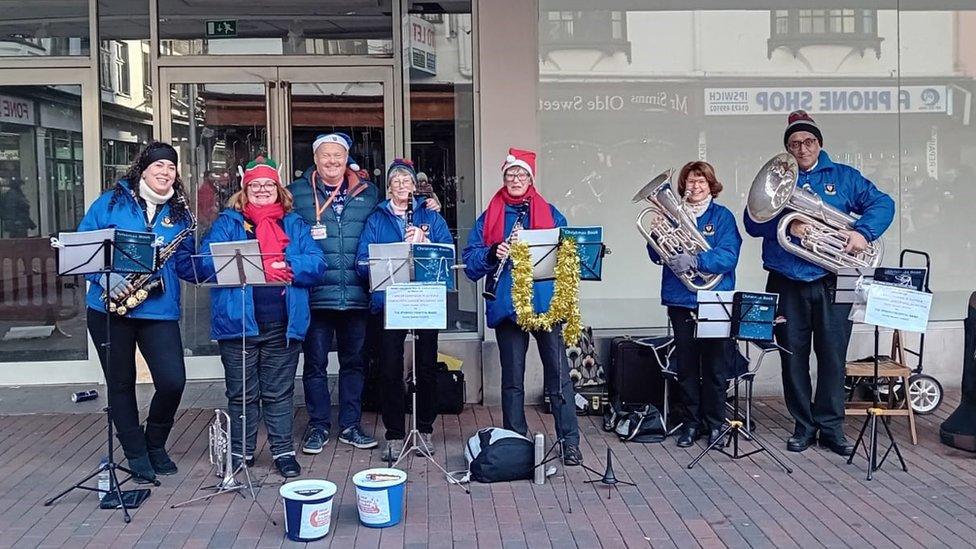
400, 220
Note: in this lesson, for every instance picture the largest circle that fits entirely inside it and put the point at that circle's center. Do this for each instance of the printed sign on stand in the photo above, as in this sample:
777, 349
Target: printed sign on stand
416, 306
898, 308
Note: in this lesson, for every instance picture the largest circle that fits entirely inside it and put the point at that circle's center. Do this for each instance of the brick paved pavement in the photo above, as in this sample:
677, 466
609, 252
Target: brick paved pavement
718, 504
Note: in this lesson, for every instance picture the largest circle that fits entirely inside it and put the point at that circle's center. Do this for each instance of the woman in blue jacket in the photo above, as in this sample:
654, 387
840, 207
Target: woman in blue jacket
397, 220
150, 197
274, 319
702, 363
488, 244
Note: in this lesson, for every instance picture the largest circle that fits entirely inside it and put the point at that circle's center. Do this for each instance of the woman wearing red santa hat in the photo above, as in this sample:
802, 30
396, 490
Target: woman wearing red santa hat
275, 318
488, 247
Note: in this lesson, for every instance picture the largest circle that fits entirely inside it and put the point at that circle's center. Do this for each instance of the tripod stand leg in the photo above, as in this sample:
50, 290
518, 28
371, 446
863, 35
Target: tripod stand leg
728, 429
858, 440
873, 460
894, 445
762, 447
117, 489
78, 484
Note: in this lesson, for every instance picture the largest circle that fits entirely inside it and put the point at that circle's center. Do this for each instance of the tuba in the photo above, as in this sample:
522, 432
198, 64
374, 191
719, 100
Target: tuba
774, 190
671, 230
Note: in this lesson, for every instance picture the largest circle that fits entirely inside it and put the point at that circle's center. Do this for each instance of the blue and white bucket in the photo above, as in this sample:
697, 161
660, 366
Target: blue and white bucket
308, 508
379, 496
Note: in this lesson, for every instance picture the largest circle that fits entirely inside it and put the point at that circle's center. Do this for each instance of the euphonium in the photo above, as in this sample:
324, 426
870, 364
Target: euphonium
774, 190
143, 284
672, 230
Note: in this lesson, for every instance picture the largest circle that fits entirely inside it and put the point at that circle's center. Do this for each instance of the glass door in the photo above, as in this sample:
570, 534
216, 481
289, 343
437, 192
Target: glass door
220, 118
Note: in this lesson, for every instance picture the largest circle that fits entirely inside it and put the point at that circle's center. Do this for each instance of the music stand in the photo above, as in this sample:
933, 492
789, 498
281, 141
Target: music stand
745, 319
241, 269
418, 296
869, 297
78, 254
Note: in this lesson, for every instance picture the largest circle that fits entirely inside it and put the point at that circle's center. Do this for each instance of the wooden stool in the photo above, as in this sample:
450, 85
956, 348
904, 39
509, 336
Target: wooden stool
891, 369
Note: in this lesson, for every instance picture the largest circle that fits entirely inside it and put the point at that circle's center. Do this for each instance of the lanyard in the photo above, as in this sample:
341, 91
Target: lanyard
315, 193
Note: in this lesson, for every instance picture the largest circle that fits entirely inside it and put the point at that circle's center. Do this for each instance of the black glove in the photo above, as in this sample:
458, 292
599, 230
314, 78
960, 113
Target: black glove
493, 253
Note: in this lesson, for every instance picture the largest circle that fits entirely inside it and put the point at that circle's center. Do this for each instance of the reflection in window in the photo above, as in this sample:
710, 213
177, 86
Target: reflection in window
41, 192
122, 67
794, 29
322, 28
602, 30
442, 134
31, 29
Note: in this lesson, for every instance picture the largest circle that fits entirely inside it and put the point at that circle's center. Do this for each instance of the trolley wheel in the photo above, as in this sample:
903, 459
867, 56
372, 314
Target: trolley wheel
925, 392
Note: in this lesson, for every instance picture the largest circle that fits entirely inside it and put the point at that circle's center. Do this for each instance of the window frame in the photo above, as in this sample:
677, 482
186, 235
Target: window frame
586, 30
813, 27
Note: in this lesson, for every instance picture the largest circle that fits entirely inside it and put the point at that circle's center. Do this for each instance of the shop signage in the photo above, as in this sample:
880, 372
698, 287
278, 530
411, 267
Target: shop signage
932, 154
422, 52
827, 100
651, 101
16, 110
223, 28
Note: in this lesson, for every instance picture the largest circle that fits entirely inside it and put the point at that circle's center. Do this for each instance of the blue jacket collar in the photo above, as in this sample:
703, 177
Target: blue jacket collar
823, 163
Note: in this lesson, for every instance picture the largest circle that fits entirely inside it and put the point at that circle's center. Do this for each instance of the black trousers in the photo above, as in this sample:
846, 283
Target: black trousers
513, 343
702, 372
393, 404
162, 346
811, 314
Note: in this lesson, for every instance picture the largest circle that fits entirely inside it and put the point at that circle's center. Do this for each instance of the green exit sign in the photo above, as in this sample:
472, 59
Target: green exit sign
226, 28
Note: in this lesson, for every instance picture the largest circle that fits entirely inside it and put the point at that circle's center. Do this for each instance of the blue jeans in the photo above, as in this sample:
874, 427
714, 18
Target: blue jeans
270, 366
349, 329
513, 343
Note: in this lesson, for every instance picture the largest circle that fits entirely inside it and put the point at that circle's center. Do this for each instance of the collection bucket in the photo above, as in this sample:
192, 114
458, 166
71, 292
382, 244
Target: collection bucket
308, 508
379, 495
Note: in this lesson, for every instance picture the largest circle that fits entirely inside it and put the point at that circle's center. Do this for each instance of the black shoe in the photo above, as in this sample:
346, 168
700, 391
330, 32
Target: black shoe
572, 457
288, 466
714, 435
838, 446
687, 436
315, 439
354, 436
142, 470
161, 463
799, 443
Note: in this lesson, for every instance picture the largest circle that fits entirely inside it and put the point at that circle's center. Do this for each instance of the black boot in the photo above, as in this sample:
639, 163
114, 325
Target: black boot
142, 469
156, 435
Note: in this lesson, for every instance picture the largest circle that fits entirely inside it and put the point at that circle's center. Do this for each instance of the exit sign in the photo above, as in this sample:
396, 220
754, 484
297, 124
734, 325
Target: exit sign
226, 28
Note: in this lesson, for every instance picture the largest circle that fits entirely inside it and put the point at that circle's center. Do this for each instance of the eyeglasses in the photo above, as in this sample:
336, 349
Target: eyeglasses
521, 176
807, 143
407, 182
261, 186
700, 182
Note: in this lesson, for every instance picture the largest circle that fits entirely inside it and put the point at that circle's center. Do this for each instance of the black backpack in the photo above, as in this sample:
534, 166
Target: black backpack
499, 455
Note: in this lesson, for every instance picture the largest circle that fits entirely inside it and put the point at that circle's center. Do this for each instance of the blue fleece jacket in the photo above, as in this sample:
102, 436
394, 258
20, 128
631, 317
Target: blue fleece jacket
717, 226
840, 186
302, 254
384, 227
479, 263
126, 213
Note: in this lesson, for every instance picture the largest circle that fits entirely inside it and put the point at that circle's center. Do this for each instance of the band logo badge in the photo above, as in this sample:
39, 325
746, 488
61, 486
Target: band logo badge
167, 222
830, 189
709, 230
425, 227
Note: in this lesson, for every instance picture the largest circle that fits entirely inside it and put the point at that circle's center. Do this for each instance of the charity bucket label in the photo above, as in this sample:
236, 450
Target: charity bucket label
315, 520
374, 506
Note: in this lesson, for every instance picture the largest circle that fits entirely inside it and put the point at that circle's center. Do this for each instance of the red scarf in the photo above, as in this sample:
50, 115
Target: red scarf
540, 214
272, 239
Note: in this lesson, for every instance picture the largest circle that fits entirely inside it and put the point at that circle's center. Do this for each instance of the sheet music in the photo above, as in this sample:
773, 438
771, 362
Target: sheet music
714, 314
225, 263
542, 248
388, 264
82, 252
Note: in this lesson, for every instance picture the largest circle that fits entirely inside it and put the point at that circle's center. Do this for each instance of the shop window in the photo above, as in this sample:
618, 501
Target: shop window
797, 28
602, 30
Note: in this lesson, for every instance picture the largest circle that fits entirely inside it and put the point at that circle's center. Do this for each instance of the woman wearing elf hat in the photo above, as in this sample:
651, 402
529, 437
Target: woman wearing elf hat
149, 197
397, 220
488, 244
275, 318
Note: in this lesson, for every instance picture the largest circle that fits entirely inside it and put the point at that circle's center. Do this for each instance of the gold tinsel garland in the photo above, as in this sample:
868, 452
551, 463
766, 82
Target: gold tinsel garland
564, 306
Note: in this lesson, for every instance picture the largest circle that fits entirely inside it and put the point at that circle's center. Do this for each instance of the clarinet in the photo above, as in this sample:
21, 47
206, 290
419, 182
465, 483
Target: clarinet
491, 285
409, 215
